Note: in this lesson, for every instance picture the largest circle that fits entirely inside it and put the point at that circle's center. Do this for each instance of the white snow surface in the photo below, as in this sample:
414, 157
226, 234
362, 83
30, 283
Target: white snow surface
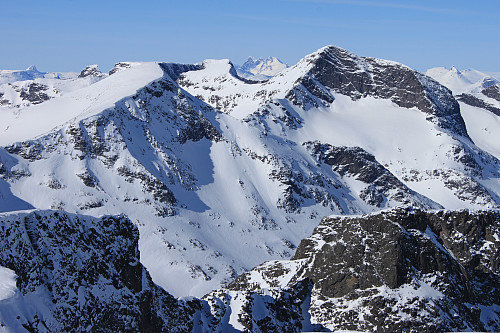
261, 69
227, 217
31, 122
483, 127
466, 81
9, 301
7, 283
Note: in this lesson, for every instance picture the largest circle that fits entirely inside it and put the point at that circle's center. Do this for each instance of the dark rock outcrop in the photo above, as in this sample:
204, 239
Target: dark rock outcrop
86, 273
118, 67
92, 71
492, 91
355, 162
479, 103
397, 270
35, 93
350, 75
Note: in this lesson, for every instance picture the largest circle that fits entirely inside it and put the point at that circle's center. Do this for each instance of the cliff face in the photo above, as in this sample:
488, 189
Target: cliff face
397, 270
77, 273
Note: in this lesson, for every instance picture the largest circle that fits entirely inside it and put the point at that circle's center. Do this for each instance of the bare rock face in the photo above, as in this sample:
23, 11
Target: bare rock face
77, 273
350, 75
492, 91
477, 102
35, 93
91, 70
397, 270
381, 184
118, 67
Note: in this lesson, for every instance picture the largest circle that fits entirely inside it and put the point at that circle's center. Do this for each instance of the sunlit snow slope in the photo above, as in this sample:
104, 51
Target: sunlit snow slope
220, 174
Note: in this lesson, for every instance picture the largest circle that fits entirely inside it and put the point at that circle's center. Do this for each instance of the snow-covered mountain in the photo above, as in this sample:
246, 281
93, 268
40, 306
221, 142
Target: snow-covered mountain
469, 80
19, 89
396, 270
479, 96
260, 69
220, 174
209, 165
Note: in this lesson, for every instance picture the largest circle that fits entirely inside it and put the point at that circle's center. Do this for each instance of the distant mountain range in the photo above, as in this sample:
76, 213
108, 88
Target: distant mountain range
479, 97
260, 69
341, 193
465, 81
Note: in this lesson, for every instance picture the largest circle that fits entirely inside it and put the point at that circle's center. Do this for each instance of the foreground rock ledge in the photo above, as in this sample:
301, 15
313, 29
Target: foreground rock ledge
397, 270
392, 271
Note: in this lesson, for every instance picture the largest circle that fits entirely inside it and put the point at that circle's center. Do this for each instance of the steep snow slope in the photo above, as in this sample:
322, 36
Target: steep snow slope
318, 99
39, 119
483, 127
220, 174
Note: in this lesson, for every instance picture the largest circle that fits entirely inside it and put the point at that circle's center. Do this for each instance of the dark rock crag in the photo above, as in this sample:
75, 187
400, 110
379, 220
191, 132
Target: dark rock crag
85, 272
398, 270
343, 72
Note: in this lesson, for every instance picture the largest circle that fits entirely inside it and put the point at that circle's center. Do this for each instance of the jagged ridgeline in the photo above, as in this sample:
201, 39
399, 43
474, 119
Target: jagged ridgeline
213, 174
393, 271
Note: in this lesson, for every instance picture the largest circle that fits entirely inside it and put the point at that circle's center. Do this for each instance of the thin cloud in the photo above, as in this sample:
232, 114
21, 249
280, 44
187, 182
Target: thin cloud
397, 6
292, 21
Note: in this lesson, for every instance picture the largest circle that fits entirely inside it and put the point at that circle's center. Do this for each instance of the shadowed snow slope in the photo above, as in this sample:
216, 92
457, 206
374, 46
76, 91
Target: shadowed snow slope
220, 174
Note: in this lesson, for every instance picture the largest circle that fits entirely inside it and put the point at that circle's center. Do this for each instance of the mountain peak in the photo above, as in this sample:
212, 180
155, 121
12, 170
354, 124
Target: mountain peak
331, 48
32, 68
219, 67
343, 72
91, 70
260, 68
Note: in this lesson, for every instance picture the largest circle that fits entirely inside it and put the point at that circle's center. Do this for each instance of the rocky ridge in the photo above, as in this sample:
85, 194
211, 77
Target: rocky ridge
402, 269
397, 270
208, 165
77, 273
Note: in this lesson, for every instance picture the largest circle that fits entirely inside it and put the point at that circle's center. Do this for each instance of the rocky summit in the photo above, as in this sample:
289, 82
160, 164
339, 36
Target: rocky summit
341, 193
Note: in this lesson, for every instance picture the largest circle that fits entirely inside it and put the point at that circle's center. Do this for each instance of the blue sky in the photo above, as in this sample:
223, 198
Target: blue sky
68, 35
